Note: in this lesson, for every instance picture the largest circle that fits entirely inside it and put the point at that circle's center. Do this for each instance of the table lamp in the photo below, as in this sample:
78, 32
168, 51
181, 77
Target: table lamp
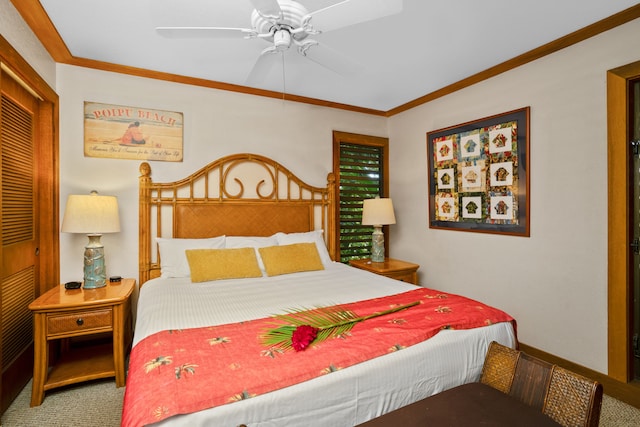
92, 215
377, 212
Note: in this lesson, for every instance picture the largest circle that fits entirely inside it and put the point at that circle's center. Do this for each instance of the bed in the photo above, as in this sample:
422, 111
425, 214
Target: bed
250, 201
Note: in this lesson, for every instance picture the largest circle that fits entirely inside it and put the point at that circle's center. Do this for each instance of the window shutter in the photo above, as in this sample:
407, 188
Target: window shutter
361, 177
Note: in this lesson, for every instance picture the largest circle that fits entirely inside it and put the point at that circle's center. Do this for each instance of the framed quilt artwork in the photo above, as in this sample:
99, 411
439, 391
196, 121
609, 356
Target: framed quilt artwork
479, 175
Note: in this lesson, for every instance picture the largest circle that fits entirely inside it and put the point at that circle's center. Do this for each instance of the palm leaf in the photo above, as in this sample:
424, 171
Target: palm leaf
330, 322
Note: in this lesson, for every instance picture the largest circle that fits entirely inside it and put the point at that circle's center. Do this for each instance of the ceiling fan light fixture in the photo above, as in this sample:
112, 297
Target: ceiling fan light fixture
281, 40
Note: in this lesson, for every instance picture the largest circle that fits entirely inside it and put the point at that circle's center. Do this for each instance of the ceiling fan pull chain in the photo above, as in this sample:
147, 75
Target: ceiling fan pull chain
284, 78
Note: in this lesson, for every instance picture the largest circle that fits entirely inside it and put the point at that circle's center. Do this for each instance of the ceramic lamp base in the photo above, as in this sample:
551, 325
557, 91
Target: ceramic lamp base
95, 275
377, 244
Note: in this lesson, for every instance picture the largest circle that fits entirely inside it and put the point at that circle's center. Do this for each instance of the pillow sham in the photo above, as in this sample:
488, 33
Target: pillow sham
291, 258
216, 264
252, 242
315, 236
173, 261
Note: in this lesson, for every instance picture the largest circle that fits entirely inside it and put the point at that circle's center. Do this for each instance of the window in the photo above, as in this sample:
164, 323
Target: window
360, 166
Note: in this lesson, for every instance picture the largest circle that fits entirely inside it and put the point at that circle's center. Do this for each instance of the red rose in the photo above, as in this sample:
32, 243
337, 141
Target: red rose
303, 336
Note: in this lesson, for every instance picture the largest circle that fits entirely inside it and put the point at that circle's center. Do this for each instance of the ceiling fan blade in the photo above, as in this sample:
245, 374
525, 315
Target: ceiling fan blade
350, 12
267, 8
205, 32
330, 59
263, 66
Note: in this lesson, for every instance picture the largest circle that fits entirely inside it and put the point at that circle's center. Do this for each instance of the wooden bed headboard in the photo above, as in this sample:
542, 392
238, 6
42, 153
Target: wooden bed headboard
237, 195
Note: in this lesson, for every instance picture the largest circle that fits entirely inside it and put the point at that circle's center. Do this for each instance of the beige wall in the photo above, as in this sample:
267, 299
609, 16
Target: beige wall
216, 123
554, 282
20, 36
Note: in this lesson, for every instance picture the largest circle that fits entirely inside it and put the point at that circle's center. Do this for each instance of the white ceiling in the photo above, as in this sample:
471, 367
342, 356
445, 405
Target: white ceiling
426, 47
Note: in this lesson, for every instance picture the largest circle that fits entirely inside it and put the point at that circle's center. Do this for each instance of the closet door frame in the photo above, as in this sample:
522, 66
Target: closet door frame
46, 153
14, 67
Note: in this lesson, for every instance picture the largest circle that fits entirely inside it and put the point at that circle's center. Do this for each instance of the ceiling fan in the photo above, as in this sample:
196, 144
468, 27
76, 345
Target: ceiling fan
286, 23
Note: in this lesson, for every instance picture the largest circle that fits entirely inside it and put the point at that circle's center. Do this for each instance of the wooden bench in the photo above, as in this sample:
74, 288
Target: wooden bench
514, 389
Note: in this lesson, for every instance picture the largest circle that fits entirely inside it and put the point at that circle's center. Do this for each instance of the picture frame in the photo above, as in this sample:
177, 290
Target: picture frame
478, 175
133, 133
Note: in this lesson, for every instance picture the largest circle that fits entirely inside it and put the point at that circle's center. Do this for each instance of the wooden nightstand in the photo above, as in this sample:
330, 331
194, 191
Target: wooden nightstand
60, 314
393, 268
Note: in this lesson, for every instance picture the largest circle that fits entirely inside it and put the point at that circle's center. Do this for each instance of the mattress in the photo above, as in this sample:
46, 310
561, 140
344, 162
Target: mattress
344, 398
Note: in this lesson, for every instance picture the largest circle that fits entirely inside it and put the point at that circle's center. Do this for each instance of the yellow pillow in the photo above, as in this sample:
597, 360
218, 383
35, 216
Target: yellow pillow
290, 258
215, 264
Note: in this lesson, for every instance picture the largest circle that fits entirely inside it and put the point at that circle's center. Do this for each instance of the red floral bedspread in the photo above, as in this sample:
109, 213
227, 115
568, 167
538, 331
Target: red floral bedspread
183, 371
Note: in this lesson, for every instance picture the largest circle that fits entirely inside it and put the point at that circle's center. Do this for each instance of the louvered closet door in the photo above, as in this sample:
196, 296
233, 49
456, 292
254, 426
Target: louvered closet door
18, 115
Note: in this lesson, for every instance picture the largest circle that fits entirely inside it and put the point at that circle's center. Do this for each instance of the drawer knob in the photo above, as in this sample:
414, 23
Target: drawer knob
80, 322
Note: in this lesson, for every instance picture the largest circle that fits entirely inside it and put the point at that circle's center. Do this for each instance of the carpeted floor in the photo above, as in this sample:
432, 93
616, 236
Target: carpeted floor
96, 403
99, 403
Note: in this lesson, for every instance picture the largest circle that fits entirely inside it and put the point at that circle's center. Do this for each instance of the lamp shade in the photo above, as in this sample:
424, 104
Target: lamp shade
378, 212
91, 214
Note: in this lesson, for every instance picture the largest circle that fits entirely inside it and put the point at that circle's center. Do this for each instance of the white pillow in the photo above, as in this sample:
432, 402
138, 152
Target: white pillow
233, 242
173, 259
250, 241
315, 236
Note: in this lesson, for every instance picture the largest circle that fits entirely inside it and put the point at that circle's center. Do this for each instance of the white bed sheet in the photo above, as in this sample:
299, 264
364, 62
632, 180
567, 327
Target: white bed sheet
344, 398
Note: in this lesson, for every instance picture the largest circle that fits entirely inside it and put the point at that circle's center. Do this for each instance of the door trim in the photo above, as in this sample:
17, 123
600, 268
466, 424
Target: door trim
619, 239
47, 228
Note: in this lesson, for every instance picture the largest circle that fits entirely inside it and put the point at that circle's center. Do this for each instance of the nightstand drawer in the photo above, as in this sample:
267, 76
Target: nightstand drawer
79, 321
409, 277
392, 268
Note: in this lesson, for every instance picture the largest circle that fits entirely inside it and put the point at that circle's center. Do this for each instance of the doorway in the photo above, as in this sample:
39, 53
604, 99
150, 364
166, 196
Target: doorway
622, 231
634, 137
